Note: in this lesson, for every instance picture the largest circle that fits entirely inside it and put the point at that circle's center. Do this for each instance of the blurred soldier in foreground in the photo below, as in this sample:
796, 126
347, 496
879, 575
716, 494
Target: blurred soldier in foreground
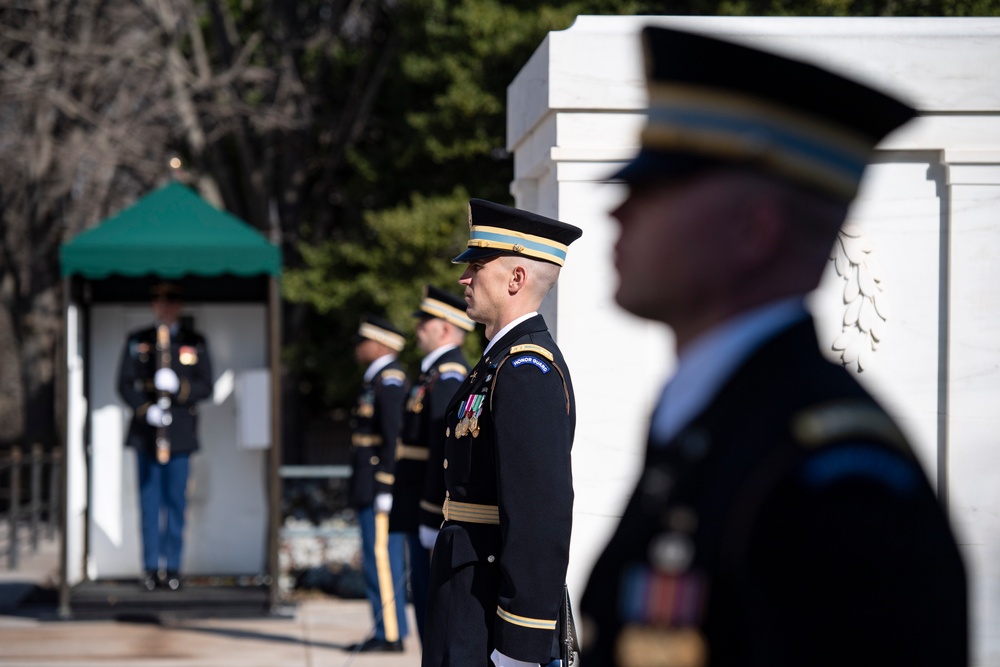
781, 517
375, 427
164, 372
499, 563
418, 494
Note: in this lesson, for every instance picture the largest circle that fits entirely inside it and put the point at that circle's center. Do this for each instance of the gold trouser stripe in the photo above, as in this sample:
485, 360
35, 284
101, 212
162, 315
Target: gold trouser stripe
412, 452
470, 512
384, 572
365, 440
430, 507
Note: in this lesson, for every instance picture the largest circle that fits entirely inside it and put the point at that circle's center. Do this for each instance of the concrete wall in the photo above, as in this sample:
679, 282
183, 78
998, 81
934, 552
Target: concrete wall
924, 242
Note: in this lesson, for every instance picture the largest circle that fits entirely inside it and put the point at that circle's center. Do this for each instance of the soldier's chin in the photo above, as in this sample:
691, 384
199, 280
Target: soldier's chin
630, 303
473, 315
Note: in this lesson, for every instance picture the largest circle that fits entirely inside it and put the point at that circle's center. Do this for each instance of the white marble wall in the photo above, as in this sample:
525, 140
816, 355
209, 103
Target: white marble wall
927, 221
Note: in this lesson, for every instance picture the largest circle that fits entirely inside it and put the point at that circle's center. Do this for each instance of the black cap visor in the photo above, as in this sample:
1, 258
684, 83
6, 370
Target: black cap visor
473, 254
649, 167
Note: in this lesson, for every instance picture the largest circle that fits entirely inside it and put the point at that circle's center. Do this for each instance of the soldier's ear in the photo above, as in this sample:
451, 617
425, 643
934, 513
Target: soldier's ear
517, 279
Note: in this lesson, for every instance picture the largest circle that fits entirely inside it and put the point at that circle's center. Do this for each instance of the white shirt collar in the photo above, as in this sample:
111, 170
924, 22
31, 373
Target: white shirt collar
378, 365
500, 334
712, 358
434, 355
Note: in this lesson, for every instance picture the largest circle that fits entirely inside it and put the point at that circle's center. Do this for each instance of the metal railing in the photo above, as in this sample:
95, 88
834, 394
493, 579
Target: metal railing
36, 511
314, 471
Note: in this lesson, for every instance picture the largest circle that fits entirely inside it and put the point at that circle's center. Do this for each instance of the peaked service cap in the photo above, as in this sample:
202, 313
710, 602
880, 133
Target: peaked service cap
380, 330
495, 229
446, 306
713, 102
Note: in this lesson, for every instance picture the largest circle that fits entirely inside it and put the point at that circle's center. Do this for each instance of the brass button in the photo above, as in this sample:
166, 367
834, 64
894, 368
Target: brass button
446, 464
447, 431
491, 558
374, 460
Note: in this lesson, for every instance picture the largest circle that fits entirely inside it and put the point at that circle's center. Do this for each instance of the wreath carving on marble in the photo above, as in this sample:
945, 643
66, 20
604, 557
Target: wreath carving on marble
864, 322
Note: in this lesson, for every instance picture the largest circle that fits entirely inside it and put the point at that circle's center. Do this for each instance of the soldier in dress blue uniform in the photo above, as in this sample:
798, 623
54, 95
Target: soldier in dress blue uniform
164, 372
499, 563
418, 494
781, 518
375, 427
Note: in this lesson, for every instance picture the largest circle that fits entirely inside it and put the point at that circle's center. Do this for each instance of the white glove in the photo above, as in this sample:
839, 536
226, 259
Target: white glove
500, 660
166, 380
383, 502
154, 416
428, 536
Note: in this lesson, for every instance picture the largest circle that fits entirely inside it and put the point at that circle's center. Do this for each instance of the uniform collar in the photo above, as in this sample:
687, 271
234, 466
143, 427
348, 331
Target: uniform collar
378, 365
434, 355
507, 329
713, 358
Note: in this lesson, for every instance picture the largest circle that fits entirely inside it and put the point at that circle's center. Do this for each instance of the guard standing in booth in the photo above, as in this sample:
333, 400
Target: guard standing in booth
418, 493
499, 564
375, 428
164, 372
781, 517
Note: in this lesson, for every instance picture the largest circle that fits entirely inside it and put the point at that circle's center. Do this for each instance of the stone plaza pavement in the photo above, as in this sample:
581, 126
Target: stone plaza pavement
312, 631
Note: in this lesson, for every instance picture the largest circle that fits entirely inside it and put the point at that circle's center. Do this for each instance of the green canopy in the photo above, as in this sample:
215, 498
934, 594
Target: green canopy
170, 233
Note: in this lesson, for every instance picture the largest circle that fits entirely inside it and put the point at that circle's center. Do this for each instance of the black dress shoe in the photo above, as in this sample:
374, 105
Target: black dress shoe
378, 646
173, 581
150, 581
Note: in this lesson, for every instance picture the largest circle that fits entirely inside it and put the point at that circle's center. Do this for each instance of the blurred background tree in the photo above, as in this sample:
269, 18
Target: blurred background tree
351, 132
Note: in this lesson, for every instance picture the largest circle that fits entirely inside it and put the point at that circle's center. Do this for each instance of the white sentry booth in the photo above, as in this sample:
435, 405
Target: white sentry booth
228, 273
925, 244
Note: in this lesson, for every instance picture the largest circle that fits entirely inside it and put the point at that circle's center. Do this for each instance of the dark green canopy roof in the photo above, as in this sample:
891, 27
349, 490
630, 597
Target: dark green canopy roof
170, 233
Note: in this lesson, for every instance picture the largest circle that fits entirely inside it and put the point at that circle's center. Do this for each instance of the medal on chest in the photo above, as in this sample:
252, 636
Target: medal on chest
415, 403
366, 405
662, 599
187, 355
468, 414
662, 605
141, 351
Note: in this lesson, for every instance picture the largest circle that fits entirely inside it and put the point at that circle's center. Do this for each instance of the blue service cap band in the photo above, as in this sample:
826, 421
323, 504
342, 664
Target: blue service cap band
507, 240
738, 127
444, 311
391, 340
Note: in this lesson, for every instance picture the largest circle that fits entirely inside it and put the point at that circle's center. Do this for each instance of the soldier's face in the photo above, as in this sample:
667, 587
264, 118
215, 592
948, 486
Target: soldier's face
430, 334
367, 351
485, 283
674, 249
166, 311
